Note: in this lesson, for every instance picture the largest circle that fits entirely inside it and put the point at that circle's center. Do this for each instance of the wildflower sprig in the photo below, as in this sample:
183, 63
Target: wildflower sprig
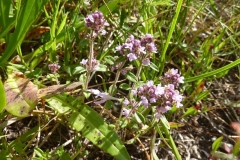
96, 23
159, 98
162, 97
135, 49
54, 69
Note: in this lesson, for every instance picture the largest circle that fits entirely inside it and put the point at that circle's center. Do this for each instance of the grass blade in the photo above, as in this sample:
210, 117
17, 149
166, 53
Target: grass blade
2, 97
174, 22
208, 74
26, 16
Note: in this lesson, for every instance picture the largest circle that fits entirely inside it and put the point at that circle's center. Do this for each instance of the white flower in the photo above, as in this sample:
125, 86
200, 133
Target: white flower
105, 96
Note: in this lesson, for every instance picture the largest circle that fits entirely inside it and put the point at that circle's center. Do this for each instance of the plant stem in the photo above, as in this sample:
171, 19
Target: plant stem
117, 77
91, 53
137, 75
171, 142
152, 146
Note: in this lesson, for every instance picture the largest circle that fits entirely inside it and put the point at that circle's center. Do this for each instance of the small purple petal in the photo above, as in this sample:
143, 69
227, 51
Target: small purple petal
146, 61
94, 91
131, 57
126, 112
144, 101
125, 102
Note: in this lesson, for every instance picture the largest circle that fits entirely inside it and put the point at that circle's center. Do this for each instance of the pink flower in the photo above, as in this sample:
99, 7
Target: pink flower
95, 64
159, 90
126, 112
125, 102
172, 76
148, 43
146, 61
54, 67
96, 22
84, 62
144, 101
131, 57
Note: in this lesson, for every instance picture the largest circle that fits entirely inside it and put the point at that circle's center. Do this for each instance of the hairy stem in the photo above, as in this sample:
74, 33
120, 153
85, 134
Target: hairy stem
91, 53
117, 76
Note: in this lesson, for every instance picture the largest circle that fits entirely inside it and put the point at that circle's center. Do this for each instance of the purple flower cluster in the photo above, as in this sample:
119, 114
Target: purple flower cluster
163, 98
96, 22
54, 67
95, 64
135, 49
172, 77
148, 43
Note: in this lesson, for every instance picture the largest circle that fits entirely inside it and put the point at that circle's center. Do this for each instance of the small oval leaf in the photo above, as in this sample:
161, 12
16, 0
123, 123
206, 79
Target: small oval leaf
190, 111
102, 68
217, 143
109, 59
153, 66
125, 86
78, 70
131, 77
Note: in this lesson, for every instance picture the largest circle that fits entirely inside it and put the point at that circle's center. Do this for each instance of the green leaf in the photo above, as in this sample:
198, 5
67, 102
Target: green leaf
19, 147
131, 77
123, 16
2, 97
63, 23
109, 105
165, 122
78, 70
112, 89
5, 30
110, 60
217, 143
140, 116
125, 86
5, 20
26, 16
137, 118
4, 12
139, 84
59, 104
92, 126
202, 95
160, 3
221, 74
221, 155
190, 111
170, 34
21, 96
102, 68
236, 147
208, 74
111, 6
153, 66
38, 152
